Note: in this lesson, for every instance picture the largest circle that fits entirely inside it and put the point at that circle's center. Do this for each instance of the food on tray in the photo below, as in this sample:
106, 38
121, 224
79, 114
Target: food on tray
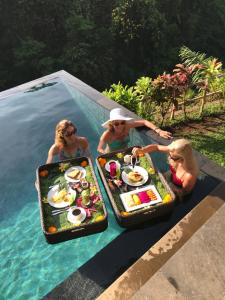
144, 197
167, 199
85, 197
151, 195
129, 200
127, 159
135, 176
52, 229
62, 196
75, 174
136, 199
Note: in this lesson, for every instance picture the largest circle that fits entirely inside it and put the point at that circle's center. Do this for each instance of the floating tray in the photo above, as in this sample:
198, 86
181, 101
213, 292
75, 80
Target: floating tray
130, 216
57, 190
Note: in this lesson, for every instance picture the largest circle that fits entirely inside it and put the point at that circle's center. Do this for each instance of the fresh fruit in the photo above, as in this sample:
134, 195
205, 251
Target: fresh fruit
136, 200
119, 155
151, 171
44, 173
151, 195
167, 198
52, 229
102, 161
99, 218
124, 213
84, 163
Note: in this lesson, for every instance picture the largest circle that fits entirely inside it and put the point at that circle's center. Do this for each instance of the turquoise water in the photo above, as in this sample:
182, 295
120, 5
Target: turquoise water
30, 267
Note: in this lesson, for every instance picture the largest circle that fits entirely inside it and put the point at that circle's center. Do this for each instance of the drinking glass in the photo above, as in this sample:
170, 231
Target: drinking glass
112, 169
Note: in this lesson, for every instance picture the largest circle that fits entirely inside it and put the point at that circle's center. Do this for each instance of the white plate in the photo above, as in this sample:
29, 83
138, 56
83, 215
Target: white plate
70, 170
138, 169
107, 167
61, 204
146, 188
72, 219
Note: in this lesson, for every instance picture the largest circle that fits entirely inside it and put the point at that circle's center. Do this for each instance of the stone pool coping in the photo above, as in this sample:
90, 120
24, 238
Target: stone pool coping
205, 208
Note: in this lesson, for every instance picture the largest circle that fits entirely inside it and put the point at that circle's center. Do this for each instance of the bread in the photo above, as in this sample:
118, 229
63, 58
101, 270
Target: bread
75, 174
135, 176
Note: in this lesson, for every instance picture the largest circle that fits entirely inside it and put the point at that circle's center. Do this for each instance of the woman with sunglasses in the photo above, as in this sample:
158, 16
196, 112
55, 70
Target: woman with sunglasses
116, 136
67, 143
183, 165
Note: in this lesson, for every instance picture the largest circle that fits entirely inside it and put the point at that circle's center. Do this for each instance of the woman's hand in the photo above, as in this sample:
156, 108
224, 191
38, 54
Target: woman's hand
136, 151
164, 134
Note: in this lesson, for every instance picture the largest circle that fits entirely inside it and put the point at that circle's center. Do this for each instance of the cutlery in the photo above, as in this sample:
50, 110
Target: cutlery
60, 210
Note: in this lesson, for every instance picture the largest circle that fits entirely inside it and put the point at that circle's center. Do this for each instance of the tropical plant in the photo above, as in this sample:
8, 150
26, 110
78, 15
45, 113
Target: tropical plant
143, 89
123, 95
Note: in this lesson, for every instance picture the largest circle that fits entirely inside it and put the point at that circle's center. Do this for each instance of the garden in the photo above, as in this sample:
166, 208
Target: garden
189, 101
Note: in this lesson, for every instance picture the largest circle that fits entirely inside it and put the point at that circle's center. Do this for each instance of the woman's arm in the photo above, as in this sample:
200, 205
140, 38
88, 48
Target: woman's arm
138, 123
150, 148
85, 146
188, 183
102, 142
54, 150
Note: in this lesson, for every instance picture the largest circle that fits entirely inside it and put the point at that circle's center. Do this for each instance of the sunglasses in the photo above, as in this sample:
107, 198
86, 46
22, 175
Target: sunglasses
119, 123
68, 134
175, 158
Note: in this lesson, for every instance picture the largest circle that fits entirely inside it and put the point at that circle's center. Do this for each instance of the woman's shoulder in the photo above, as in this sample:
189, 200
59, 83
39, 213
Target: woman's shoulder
83, 141
55, 149
107, 135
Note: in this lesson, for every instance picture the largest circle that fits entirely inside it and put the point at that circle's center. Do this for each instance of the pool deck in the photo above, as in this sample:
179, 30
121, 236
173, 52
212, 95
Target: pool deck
186, 263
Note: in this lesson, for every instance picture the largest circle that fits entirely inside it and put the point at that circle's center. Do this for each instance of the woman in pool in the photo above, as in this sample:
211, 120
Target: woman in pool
118, 126
183, 166
67, 143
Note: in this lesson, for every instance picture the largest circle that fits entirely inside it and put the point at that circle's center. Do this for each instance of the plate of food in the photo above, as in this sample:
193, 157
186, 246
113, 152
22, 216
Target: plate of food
140, 198
107, 165
75, 174
136, 176
61, 198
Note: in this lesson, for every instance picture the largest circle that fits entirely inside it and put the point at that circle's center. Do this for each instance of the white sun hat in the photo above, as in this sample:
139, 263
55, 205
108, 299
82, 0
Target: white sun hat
116, 114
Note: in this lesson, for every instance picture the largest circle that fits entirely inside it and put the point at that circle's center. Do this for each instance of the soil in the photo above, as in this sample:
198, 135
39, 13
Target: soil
206, 125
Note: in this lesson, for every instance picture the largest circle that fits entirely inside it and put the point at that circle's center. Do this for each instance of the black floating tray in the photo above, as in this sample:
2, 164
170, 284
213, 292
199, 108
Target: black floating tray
58, 228
131, 218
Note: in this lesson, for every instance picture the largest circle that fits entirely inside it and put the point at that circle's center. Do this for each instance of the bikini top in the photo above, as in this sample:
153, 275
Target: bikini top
119, 144
64, 155
174, 177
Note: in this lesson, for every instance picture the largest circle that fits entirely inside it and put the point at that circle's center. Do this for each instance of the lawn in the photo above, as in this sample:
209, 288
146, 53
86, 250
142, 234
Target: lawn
207, 136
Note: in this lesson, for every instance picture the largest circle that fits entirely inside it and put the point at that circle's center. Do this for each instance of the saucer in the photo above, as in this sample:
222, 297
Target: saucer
73, 219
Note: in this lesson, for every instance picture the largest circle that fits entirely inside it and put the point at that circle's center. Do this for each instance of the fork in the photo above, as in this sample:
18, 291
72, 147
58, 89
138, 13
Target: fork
59, 211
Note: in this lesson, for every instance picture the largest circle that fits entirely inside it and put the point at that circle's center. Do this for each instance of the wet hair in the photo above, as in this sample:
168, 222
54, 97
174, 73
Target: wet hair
60, 130
183, 149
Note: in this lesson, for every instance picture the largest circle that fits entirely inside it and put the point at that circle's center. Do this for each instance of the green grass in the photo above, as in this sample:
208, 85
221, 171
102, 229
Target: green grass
211, 144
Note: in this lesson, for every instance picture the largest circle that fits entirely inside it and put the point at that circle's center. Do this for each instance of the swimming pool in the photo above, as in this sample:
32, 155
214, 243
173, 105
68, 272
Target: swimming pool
30, 267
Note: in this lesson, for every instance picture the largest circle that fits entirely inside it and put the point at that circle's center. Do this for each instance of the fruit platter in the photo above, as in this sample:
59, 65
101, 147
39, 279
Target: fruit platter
137, 191
70, 200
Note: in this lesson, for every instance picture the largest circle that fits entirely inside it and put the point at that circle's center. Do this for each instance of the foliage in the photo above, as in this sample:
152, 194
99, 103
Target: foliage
124, 95
143, 89
104, 41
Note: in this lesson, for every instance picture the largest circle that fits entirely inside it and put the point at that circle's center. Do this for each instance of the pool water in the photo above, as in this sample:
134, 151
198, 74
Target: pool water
30, 267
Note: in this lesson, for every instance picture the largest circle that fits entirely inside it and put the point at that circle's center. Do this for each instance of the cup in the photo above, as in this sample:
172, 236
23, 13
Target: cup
76, 214
112, 169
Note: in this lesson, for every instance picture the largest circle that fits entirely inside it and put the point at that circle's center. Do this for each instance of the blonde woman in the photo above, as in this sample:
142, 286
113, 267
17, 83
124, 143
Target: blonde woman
116, 135
67, 143
183, 165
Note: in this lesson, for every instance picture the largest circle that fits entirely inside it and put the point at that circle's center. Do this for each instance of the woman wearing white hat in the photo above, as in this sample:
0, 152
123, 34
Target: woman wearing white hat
116, 136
